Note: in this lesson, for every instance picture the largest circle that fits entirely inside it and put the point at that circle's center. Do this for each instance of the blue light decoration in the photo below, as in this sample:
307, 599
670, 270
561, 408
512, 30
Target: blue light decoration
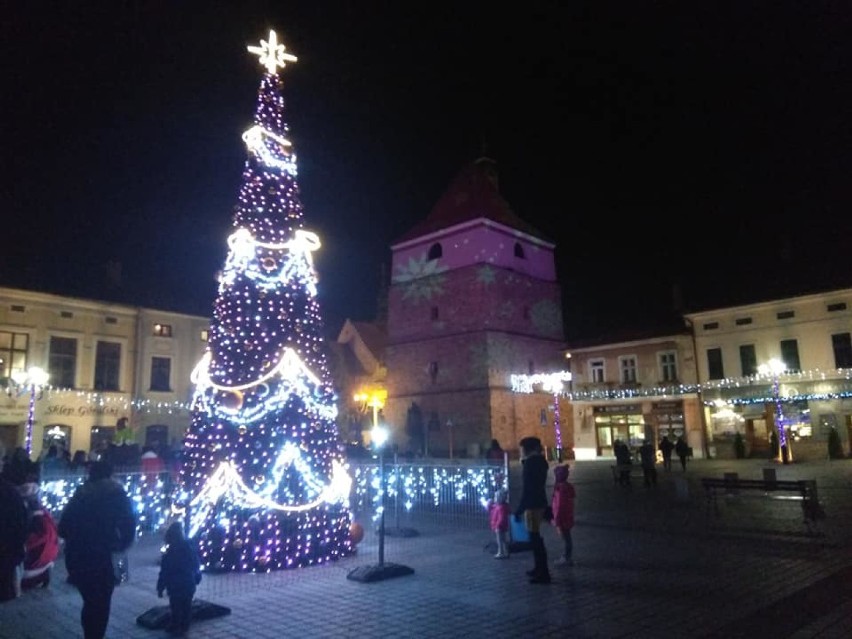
425, 489
150, 497
263, 485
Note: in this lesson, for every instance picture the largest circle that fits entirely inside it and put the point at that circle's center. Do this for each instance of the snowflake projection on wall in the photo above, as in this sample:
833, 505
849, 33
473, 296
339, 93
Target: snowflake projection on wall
546, 316
490, 356
514, 280
421, 278
485, 275
507, 310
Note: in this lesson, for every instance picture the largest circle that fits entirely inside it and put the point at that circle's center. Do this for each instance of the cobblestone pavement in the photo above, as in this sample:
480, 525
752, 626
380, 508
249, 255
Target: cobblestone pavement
650, 562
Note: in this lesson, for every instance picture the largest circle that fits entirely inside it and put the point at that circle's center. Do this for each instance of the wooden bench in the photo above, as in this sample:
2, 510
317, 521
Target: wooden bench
804, 491
635, 471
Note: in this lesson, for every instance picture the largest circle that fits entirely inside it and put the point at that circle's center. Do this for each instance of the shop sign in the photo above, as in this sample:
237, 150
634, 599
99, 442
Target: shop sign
666, 407
12, 414
621, 409
66, 410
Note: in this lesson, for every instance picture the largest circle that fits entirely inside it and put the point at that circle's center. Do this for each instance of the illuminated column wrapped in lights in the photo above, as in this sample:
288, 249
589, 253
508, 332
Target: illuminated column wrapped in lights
263, 482
775, 368
553, 383
32, 381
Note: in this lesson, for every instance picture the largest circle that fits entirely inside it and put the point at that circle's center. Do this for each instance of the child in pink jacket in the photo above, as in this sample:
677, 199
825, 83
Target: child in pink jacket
498, 517
563, 511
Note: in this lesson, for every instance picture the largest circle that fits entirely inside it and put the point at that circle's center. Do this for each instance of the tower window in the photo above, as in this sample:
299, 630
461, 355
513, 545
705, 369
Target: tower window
433, 371
434, 313
435, 251
519, 251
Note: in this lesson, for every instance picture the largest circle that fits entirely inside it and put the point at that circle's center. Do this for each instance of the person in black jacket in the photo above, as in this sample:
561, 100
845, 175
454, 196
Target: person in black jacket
97, 521
13, 534
682, 450
180, 573
533, 503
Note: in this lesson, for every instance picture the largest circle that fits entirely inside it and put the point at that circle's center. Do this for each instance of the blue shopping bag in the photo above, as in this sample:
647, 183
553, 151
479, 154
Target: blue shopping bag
518, 529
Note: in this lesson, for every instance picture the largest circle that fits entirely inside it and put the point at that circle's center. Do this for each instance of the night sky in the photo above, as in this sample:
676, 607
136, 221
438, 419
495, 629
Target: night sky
703, 145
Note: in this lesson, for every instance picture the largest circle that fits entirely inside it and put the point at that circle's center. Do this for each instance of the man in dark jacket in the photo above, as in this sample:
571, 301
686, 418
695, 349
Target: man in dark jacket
532, 504
13, 534
97, 521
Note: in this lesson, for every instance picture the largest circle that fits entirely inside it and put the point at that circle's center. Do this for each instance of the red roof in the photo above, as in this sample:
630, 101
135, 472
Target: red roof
474, 194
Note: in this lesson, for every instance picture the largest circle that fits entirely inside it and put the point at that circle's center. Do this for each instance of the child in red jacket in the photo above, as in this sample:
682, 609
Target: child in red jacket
563, 511
498, 517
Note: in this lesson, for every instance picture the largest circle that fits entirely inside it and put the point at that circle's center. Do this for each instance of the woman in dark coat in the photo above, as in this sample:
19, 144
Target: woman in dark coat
97, 521
533, 502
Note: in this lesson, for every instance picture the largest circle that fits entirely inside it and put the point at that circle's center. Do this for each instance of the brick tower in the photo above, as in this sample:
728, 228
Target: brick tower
473, 298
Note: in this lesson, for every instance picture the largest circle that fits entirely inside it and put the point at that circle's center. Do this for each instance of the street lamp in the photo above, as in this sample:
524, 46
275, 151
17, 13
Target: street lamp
379, 437
32, 380
374, 399
775, 368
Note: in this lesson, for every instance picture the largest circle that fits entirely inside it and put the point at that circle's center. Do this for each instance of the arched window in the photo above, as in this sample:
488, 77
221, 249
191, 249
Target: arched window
519, 250
435, 251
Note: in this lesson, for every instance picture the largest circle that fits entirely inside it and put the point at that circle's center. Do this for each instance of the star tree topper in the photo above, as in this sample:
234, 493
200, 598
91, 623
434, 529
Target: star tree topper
272, 55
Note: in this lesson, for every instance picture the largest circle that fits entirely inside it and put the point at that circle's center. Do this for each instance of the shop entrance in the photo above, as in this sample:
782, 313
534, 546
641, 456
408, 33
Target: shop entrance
628, 428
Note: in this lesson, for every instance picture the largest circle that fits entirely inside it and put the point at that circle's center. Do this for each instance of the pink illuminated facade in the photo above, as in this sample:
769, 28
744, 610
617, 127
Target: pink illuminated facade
473, 299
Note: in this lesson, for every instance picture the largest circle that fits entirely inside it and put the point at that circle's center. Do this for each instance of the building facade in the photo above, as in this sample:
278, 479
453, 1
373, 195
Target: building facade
632, 390
115, 372
811, 335
473, 300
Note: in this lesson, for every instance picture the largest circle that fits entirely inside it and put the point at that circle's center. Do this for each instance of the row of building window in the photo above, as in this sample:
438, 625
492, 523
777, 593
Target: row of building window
781, 315
62, 362
436, 251
841, 344
628, 368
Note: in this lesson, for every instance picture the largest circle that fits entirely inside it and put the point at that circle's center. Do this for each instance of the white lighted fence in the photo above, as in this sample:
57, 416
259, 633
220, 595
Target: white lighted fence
419, 500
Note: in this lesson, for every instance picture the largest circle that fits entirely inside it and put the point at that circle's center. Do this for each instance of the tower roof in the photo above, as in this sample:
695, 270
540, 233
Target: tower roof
473, 194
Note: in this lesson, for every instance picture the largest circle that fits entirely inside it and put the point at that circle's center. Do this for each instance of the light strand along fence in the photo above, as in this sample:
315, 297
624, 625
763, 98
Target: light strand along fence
443, 502
449, 494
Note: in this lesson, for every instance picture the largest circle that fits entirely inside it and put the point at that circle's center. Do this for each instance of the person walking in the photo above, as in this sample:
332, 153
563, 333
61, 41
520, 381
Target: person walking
97, 521
666, 448
13, 534
498, 518
562, 505
623, 461
180, 573
648, 456
682, 451
532, 504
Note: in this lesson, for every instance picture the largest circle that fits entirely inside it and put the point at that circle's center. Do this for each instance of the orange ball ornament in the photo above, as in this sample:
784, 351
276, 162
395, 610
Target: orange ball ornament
356, 533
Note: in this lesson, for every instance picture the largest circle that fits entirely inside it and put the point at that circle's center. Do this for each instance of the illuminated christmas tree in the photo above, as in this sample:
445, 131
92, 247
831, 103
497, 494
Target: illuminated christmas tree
262, 477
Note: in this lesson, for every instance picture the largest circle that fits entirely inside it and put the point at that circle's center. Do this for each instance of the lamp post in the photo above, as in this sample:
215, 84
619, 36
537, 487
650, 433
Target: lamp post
775, 368
374, 399
32, 380
382, 570
379, 436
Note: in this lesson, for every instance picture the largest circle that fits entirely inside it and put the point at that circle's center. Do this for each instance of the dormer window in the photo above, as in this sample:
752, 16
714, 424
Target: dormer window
519, 251
435, 251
